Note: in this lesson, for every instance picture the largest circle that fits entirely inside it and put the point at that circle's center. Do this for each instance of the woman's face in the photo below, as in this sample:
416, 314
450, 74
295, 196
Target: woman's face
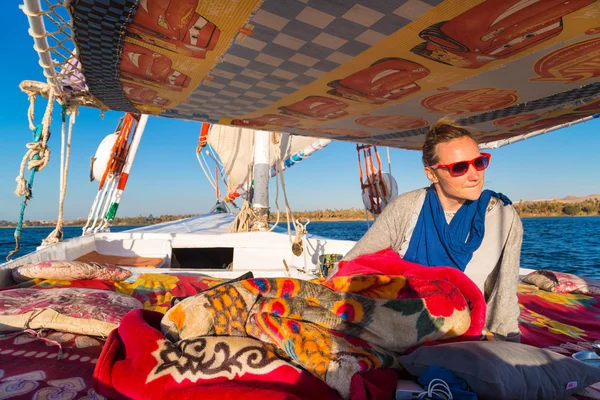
456, 189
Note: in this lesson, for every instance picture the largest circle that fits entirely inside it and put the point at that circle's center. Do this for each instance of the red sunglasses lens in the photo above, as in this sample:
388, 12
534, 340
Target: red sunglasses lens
481, 163
459, 168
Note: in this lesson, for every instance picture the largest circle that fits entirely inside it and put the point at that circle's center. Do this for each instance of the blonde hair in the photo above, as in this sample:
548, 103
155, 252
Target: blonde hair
444, 130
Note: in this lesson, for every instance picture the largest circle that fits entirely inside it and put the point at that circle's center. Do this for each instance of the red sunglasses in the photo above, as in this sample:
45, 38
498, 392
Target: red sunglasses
461, 167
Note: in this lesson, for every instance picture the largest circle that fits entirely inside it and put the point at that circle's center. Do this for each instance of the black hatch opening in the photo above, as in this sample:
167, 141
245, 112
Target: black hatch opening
202, 258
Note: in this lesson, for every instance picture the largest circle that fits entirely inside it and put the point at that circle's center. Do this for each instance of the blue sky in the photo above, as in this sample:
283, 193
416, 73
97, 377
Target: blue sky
166, 177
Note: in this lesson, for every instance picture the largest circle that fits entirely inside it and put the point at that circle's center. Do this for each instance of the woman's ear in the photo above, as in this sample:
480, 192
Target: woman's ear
431, 175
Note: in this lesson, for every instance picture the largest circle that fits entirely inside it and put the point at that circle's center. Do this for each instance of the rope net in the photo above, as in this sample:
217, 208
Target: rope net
54, 42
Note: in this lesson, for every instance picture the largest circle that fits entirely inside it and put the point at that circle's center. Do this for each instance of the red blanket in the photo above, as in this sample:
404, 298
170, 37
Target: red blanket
30, 368
223, 369
343, 334
388, 262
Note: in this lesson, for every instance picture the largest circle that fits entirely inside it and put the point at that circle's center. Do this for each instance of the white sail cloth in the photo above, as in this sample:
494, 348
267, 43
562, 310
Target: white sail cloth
235, 147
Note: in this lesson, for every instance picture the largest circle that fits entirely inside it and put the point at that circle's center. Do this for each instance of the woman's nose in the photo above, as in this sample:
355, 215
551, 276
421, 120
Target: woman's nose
472, 173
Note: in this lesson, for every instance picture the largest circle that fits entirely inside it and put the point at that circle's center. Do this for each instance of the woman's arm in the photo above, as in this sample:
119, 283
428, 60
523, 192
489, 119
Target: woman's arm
388, 229
379, 236
501, 287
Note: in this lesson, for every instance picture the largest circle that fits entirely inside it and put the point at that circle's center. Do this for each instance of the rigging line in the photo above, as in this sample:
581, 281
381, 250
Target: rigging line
278, 161
205, 163
369, 174
104, 206
288, 210
219, 165
217, 161
380, 185
208, 177
383, 189
389, 160
65, 155
94, 210
217, 180
38, 154
211, 151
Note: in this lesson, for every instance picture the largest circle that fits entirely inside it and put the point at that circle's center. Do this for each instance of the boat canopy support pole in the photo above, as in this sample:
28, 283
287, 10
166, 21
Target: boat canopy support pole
35, 15
500, 143
262, 142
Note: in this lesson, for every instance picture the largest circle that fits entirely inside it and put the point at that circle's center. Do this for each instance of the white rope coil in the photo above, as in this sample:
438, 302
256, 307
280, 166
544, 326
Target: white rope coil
437, 388
38, 148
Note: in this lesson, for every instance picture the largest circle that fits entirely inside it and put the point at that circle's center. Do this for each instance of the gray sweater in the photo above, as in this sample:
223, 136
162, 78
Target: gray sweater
494, 266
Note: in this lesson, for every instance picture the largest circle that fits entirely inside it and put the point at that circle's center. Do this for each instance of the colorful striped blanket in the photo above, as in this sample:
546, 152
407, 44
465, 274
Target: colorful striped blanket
565, 323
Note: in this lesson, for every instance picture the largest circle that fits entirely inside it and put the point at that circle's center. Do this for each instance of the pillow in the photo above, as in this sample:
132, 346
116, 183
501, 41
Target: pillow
83, 311
70, 271
560, 282
127, 261
506, 370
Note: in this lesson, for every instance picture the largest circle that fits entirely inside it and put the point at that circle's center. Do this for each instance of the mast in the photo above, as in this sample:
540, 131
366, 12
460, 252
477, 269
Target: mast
133, 147
107, 200
262, 166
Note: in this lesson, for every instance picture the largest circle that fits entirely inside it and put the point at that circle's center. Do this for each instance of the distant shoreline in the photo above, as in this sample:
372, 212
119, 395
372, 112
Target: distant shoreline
569, 207
556, 216
283, 222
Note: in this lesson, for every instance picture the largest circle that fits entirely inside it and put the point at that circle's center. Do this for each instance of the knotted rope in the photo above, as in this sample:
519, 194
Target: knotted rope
38, 153
65, 154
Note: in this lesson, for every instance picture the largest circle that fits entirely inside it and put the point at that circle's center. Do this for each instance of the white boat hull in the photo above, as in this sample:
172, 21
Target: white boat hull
261, 253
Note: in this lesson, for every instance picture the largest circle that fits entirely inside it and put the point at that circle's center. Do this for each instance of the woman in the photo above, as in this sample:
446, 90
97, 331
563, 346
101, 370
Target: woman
456, 223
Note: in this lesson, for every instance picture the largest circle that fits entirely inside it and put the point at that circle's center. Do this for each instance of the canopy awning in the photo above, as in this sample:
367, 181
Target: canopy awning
376, 72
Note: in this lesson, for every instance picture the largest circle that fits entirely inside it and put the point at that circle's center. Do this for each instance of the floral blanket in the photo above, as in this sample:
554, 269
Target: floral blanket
60, 367
344, 326
563, 322
154, 291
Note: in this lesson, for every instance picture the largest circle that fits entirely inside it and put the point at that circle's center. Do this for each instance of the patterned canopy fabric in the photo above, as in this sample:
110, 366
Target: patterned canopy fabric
377, 72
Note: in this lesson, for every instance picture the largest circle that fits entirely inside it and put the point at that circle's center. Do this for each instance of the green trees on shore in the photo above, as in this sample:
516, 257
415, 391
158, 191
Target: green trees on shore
556, 208
335, 214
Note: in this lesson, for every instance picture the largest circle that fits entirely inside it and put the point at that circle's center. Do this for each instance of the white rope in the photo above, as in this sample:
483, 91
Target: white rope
208, 177
65, 155
219, 165
278, 161
288, 211
106, 203
37, 148
300, 230
31, 110
437, 388
243, 221
101, 202
389, 160
93, 214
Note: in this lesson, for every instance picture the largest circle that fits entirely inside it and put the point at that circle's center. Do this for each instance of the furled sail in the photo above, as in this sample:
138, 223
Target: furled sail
235, 148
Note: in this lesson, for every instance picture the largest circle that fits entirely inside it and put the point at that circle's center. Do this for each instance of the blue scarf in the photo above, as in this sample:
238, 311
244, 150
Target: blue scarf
435, 242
